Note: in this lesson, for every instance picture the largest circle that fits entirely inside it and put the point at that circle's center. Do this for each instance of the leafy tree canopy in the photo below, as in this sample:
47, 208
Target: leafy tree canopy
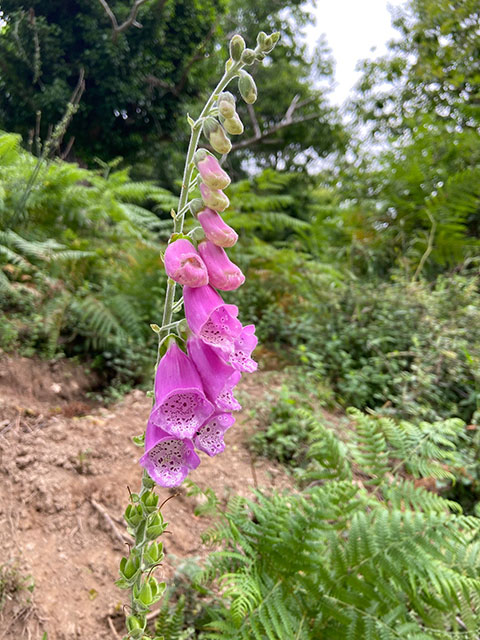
433, 68
141, 82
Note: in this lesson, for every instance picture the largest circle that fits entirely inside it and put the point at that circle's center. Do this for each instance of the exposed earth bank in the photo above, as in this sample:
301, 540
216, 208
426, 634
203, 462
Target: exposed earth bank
65, 465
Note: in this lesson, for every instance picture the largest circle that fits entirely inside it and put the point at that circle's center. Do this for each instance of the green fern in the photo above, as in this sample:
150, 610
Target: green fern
361, 553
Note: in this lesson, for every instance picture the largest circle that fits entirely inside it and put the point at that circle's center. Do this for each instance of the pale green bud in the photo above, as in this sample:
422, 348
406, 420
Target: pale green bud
133, 623
155, 527
226, 104
247, 87
145, 594
234, 125
129, 566
270, 41
216, 136
262, 36
248, 56
237, 46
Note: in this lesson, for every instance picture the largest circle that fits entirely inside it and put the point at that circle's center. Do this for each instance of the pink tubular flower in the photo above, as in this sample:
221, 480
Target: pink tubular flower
209, 438
184, 265
210, 170
217, 377
243, 346
222, 272
214, 198
210, 318
167, 460
180, 404
216, 229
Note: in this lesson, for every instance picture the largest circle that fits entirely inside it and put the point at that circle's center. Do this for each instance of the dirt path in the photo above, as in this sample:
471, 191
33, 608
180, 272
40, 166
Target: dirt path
55, 466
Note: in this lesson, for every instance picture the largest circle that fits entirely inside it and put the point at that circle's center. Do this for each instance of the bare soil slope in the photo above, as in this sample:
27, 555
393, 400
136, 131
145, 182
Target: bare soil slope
64, 470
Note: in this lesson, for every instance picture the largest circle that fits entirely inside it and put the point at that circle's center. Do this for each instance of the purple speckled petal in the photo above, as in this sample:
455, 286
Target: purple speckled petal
218, 378
210, 318
210, 436
244, 345
180, 402
167, 460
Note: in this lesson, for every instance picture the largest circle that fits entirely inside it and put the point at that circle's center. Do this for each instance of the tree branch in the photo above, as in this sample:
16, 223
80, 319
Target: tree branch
286, 121
130, 21
272, 130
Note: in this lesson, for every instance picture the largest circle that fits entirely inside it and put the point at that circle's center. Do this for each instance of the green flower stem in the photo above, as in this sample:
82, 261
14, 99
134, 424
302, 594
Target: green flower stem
143, 515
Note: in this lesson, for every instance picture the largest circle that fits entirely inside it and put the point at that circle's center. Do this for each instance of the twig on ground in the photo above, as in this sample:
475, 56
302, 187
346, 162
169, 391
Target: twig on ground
112, 627
101, 509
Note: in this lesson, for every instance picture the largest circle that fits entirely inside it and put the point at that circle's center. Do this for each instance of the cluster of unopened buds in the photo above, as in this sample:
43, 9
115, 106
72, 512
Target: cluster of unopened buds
201, 366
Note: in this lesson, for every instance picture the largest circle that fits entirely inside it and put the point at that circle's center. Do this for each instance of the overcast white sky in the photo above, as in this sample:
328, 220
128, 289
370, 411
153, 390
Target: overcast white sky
352, 28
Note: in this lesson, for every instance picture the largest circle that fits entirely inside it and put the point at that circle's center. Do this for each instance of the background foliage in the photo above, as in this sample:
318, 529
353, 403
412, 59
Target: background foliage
362, 279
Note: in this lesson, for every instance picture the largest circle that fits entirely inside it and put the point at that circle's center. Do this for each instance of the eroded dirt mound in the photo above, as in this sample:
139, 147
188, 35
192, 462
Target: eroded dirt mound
63, 488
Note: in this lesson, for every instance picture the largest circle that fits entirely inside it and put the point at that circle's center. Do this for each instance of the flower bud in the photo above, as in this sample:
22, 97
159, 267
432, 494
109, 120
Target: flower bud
248, 56
215, 134
275, 36
133, 514
262, 36
154, 553
210, 170
133, 623
222, 272
233, 126
237, 46
270, 42
129, 566
216, 229
145, 594
184, 265
150, 501
214, 198
226, 104
247, 87
155, 528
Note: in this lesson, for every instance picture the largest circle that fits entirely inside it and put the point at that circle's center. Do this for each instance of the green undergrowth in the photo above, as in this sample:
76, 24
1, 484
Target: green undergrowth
360, 549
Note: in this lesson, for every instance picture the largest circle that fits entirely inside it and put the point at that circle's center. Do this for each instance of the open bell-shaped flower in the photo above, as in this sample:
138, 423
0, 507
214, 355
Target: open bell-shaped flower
180, 404
218, 378
184, 265
210, 318
209, 437
240, 358
214, 198
210, 170
167, 459
216, 229
223, 274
